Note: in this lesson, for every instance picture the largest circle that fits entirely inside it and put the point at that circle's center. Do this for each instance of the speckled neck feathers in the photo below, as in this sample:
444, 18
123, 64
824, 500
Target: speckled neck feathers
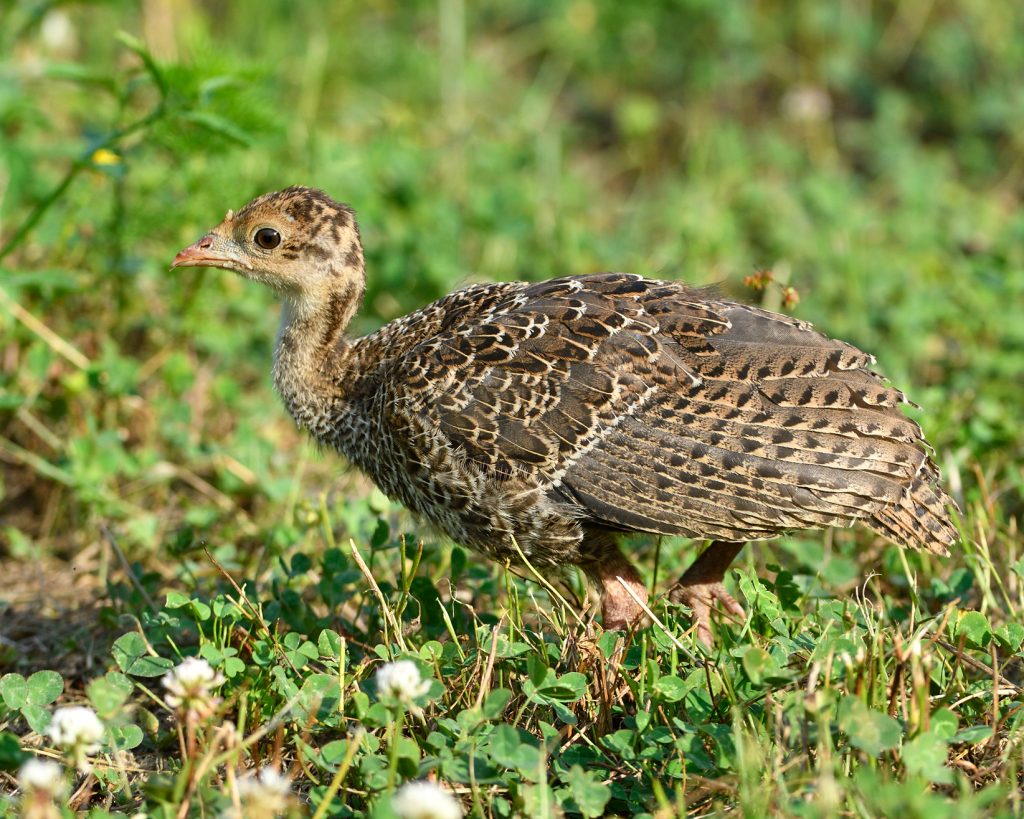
311, 352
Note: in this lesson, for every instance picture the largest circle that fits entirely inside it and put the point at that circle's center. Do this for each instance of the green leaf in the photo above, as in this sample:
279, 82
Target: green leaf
972, 735
972, 626
233, 667
759, 598
621, 742
507, 747
590, 794
109, 693
760, 666
218, 125
670, 688
14, 690
302, 653
607, 643
44, 687
11, 755
925, 755
568, 687
334, 752
537, 669
1010, 636
139, 48
176, 600
944, 723
201, 611
37, 717
329, 644
871, 731
133, 657
125, 737
495, 702
431, 651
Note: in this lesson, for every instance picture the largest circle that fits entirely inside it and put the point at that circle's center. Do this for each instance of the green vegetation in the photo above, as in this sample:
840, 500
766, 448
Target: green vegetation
156, 502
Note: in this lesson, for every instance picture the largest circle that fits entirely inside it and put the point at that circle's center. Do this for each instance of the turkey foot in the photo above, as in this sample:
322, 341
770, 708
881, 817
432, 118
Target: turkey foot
619, 610
701, 586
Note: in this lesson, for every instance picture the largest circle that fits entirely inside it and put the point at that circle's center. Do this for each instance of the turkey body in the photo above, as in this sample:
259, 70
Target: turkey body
549, 418
534, 415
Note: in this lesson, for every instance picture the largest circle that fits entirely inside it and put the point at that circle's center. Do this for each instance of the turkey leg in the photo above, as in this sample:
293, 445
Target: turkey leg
701, 586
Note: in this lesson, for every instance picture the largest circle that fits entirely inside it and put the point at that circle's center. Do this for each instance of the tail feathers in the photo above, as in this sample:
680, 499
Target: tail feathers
921, 518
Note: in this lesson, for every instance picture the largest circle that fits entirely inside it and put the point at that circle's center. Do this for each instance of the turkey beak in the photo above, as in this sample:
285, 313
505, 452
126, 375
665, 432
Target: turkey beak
212, 251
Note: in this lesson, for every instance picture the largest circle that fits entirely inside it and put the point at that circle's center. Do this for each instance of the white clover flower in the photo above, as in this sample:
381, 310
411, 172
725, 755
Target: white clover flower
188, 687
58, 32
807, 103
401, 680
77, 731
425, 800
44, 777
264, 794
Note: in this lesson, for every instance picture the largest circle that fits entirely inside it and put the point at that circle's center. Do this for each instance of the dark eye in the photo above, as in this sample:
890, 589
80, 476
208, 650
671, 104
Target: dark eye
267, 238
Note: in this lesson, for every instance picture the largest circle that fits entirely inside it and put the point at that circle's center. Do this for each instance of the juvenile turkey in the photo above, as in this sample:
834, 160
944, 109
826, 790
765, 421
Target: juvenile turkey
558, 415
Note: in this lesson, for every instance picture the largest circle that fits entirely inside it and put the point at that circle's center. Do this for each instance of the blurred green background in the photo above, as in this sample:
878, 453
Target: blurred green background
870, 154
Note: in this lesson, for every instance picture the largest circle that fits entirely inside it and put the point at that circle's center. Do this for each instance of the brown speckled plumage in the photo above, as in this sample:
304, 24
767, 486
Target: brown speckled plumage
556, 415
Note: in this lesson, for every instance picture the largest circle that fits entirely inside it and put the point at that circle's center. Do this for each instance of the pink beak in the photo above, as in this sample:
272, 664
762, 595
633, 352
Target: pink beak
211, 251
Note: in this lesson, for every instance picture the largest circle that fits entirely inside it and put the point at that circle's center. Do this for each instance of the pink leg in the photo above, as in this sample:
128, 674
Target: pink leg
609, 569
701, 586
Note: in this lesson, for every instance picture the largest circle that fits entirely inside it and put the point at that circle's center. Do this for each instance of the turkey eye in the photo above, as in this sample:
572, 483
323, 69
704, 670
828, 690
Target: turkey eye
267, 238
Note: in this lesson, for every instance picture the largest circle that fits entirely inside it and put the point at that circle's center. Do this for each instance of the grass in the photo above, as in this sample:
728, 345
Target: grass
156, 503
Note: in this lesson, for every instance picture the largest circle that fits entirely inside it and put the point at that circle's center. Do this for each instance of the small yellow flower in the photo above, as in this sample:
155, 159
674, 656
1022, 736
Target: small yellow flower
106, 157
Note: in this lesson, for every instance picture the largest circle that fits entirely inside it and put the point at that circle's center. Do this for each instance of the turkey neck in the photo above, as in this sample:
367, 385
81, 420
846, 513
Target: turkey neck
312, 355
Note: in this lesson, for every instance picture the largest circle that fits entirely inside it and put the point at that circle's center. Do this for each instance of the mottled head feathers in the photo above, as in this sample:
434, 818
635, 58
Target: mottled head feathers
297, 240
